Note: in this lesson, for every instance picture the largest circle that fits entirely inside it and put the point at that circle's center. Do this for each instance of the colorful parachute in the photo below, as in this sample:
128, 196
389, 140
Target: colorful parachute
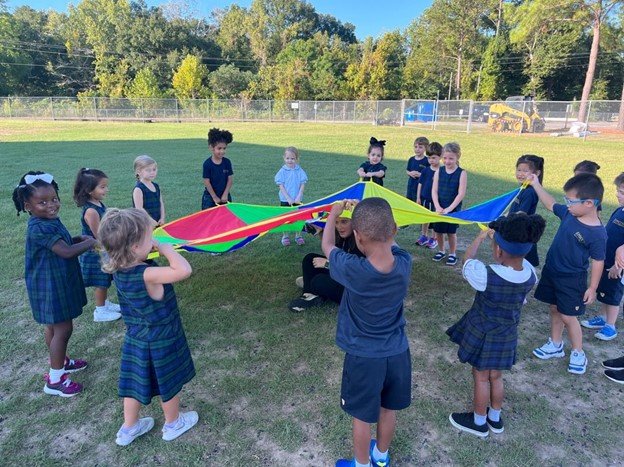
234, 225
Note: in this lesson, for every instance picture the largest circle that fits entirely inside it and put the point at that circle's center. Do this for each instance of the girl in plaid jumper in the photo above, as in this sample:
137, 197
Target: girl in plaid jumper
53, 279
487, 334
89, 191
155, 357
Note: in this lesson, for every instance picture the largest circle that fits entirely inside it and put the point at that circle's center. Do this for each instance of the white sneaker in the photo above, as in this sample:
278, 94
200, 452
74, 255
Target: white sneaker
578, 362
185, 422
104, 314
549, 350
299, 282
143, 426
110, 306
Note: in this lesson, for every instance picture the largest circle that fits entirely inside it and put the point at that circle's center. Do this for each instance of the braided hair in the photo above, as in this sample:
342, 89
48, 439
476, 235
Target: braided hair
24, 191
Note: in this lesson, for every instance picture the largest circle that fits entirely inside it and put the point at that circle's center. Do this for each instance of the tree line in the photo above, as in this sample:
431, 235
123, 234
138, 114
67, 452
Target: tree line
285, 49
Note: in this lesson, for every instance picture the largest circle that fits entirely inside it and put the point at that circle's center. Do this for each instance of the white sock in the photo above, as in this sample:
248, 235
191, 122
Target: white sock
378, 454
494, 414
55, 375
479, 419
101, 308
357, 464
612, 326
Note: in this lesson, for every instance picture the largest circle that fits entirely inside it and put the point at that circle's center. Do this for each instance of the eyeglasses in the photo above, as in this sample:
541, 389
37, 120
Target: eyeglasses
572, 202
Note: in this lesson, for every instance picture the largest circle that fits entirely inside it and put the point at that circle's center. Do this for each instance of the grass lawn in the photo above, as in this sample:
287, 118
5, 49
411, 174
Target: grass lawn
268, 381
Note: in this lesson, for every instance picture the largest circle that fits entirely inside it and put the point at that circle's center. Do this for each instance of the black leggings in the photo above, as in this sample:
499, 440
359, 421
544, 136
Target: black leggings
317, 280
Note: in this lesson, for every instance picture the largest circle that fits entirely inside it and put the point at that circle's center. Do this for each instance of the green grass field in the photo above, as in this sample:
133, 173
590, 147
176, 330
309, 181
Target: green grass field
268, 381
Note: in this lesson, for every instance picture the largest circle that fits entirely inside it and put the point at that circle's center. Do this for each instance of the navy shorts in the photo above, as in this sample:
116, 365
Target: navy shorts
428, 203
371, 383
610, 291
563, 290
445, 228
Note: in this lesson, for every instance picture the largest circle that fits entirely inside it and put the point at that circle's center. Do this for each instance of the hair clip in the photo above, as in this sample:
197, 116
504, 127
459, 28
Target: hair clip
30, 179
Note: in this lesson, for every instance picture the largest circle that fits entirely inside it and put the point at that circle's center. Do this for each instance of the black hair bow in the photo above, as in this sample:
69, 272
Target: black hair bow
375, 142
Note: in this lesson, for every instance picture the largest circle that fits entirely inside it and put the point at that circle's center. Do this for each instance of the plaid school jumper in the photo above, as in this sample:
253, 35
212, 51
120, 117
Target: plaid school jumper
151, 200
155, 358
487, 334
90, 264
54, 284
448, 187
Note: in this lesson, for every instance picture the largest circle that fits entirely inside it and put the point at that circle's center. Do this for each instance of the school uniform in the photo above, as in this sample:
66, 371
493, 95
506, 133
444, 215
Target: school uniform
487, 334
564, 276
155, 357
370, 330
54, 284
527, 202
292, 179
90, 263
218, 175
448, 188
611, 291
412, 183
368, 167
151, 199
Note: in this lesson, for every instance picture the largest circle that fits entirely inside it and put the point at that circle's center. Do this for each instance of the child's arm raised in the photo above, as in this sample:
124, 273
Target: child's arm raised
545, 197
178, 269
471, 251
328, 242
65, 251
461, 193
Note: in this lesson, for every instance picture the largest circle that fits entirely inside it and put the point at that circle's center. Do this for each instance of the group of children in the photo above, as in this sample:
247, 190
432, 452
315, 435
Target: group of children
376, 378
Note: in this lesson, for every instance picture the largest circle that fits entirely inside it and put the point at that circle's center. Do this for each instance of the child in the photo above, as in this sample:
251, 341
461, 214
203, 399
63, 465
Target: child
155, 358
448, 191
90, 189
291, 180
563, 284
487, 334
146, 194
376, 379
373, 169
218, 174
615, 367
53, 279
415, 166
527, 199
423, 195
610, 289
586, 167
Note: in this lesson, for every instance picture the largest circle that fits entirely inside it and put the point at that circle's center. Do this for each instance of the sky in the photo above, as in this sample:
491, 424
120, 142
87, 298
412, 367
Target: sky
370, 17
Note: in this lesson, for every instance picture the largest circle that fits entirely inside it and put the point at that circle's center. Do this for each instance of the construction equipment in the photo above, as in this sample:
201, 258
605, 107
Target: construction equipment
517, 114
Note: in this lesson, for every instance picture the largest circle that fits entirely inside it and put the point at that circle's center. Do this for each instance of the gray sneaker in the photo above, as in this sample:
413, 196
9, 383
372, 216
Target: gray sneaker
101, 316
299, 282
185, 422
143, 426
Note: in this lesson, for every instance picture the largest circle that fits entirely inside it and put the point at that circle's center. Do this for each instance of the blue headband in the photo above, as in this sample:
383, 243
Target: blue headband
513, 248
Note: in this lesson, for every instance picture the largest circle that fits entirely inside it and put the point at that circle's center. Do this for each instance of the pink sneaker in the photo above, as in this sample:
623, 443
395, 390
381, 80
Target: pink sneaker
72, 366
285, 241
64, 388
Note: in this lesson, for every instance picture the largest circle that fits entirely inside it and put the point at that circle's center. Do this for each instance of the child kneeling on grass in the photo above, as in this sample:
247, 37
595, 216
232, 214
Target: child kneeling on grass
376, 377
487, 334
155, 358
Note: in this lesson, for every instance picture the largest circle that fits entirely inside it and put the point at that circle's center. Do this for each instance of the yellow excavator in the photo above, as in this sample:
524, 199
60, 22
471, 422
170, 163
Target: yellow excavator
517, 114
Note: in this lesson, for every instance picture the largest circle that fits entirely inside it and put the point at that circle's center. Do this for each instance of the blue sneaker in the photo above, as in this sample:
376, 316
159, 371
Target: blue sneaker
607, 333
422, 240
345, 463
549, 350
578, 362
597, 322
378, 462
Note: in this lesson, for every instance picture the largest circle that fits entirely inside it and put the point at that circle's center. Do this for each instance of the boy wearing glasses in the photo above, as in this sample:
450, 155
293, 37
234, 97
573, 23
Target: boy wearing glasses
563, 284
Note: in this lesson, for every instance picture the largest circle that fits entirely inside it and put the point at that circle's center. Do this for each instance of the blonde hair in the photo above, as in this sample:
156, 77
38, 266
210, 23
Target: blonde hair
141, 162
452, 148
120, 230
292, 150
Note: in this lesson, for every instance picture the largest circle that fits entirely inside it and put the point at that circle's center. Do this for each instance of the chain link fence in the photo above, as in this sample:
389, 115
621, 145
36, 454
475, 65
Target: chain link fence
514, 115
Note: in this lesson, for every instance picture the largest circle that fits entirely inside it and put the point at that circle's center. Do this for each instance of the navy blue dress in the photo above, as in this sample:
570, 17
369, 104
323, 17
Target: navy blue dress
448, 187
487, 334
155, 357
90, 263
151, 200
54, 284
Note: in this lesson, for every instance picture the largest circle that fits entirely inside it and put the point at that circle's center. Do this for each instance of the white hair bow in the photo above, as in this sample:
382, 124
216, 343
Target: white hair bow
30, 179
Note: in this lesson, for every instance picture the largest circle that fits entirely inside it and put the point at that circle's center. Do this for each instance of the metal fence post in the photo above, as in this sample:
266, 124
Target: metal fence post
299, 111
521, 118
177, 110
402, 112
270, 111
95, 108
434, 120
333, 111
376, 121
470, 109
9, 106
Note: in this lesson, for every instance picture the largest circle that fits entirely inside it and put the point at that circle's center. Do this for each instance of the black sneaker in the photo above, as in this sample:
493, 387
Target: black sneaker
614, 364
465, 422
615, 375
495, 427
307, 300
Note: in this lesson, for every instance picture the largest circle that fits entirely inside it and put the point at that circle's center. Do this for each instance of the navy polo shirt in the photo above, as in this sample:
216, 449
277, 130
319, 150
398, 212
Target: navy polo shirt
615, 235
526, 201
370, 318
426, 182
575, 243
218, 174
368, 167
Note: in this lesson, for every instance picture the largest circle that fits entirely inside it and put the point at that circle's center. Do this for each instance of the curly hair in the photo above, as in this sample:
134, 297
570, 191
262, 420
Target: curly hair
24, 191
216, 136
520, 227
119, 231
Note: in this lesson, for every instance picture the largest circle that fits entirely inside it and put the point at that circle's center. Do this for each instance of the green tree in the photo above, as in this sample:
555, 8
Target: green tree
188, 79
144, 85
228, 81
